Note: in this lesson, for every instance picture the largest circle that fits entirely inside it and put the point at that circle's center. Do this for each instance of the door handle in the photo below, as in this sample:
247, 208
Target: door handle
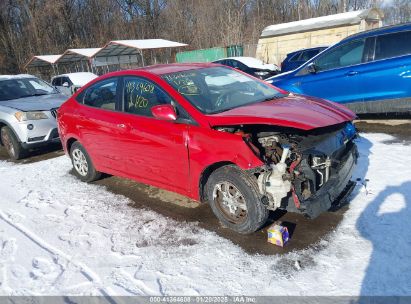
352, 73
122, 126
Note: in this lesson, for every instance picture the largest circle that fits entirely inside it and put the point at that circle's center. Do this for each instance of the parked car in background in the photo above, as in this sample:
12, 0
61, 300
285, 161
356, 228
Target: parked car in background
214, 134
69, 83
250, 65
369, 72
295, 59
28, 109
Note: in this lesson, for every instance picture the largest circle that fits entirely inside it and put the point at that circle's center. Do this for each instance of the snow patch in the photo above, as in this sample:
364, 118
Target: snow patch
59, 236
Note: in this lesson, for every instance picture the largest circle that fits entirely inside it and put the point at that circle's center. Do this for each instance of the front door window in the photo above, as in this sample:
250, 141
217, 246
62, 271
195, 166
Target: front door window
345, 55
140, 95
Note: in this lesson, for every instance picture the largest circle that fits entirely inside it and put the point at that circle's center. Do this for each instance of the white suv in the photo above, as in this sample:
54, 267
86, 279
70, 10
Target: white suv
69, 83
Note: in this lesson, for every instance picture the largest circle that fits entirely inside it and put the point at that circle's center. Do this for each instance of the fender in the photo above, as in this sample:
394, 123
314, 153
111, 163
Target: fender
12, 130
66, 138
204, 153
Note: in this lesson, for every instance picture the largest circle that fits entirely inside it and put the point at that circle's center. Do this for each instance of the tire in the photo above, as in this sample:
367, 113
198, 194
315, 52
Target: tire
11, 144
231, 184
82, 165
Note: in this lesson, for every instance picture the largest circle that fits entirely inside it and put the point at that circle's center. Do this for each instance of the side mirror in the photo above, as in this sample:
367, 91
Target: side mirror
311, 68
164, 112
65, 84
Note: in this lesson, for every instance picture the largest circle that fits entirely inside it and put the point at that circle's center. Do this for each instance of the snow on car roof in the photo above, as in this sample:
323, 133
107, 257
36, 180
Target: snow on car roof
253, 62
18, 76
80, 78
353, 17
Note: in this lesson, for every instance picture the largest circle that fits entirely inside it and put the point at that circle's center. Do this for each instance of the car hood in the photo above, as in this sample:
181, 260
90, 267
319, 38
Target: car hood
35, 103
293, 111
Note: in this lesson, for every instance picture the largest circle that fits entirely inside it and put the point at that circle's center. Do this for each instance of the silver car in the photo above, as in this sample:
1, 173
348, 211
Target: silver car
28, 110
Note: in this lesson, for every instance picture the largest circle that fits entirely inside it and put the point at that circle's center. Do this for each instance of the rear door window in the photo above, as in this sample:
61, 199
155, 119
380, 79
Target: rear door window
102, 94
393, 45
350, 53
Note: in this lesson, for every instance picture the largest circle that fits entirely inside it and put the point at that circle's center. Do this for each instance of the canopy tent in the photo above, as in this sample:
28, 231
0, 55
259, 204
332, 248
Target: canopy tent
128, 51
94, 59
77, 60
42, 61
75, 55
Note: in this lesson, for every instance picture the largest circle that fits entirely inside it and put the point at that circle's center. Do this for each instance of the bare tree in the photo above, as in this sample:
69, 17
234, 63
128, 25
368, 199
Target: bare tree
32, 27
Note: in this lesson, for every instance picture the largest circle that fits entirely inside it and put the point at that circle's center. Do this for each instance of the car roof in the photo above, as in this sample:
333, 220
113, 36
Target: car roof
243, 59
251, 62
79, 78
161, 69
18, 76
380, 31
74, 74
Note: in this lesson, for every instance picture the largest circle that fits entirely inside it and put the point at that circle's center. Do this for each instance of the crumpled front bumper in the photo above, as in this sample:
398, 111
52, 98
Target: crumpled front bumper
336, 190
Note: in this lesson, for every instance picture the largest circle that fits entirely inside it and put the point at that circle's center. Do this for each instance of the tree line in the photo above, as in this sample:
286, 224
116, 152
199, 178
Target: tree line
35, 27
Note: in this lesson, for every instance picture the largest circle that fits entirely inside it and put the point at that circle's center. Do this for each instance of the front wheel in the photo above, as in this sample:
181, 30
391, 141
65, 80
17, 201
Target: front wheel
82, 164
12, 145
235, 200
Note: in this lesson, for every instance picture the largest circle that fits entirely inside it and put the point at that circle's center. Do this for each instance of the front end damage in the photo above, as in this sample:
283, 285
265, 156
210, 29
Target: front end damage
305, 171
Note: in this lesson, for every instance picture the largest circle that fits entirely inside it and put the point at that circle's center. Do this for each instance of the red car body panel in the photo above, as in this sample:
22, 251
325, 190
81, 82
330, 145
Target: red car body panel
174, 155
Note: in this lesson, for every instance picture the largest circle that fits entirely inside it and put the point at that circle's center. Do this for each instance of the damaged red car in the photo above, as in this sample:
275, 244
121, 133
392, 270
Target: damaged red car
216, 135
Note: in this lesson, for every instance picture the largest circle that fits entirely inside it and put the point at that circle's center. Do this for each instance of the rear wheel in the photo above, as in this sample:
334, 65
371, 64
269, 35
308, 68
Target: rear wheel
82, 164
235, 199
12, 145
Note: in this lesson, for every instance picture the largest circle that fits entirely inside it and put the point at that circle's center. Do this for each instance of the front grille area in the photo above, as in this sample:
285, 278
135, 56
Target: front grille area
54, 112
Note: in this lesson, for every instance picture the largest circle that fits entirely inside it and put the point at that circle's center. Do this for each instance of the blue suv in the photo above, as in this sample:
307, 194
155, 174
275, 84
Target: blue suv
369, 72
295, 59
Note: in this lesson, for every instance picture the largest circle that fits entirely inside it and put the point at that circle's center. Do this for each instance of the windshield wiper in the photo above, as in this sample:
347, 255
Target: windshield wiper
272, 98
31, 95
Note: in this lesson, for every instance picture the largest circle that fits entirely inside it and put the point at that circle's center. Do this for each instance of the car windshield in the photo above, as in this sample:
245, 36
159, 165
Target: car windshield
24, 87
218, 89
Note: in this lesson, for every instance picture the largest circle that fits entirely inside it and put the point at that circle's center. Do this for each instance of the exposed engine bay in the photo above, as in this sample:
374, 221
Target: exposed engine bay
305, 171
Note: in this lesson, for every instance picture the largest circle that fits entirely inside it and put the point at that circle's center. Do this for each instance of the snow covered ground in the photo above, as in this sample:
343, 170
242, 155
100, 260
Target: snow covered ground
59, 236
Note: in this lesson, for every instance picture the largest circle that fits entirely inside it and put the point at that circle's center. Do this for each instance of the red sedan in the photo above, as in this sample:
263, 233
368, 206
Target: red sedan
215, 135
